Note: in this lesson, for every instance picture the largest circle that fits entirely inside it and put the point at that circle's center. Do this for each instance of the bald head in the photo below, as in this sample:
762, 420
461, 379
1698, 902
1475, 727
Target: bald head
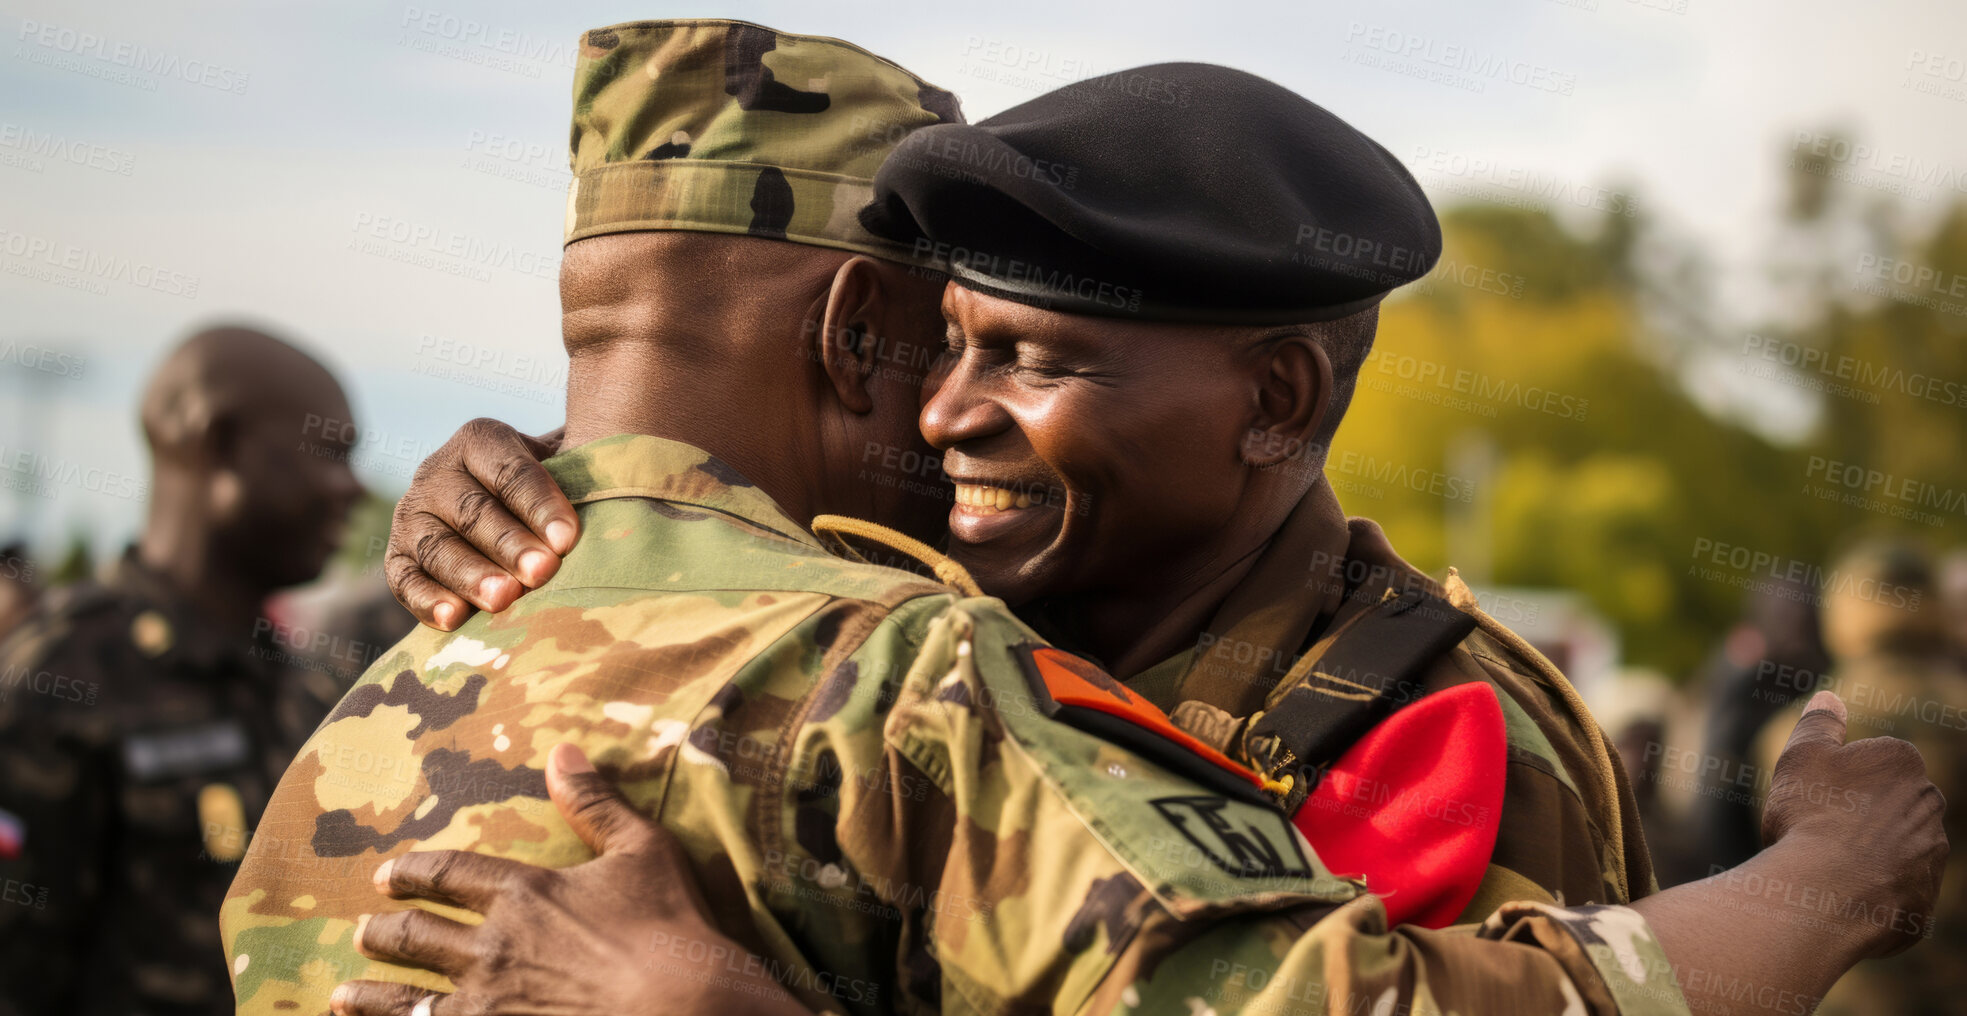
249, 441
228, 373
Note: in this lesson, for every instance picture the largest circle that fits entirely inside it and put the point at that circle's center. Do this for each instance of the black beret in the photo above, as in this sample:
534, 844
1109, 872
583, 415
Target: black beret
1180, 192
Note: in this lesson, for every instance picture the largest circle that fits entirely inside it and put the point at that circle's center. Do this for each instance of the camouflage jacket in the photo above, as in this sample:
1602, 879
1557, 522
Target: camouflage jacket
137, 745
874, 799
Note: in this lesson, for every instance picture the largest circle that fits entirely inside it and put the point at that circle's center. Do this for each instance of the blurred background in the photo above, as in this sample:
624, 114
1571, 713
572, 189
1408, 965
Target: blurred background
1684, 400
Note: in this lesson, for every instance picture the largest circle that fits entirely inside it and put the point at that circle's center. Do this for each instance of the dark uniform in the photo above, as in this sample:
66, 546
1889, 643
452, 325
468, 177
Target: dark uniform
137, 746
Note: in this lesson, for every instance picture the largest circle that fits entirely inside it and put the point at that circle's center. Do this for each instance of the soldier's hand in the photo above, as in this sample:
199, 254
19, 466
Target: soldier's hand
1877, 818
457, 541
623, 934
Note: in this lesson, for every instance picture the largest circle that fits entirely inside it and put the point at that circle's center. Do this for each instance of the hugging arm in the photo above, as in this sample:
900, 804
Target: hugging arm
481, 523
1763, 924
622, 935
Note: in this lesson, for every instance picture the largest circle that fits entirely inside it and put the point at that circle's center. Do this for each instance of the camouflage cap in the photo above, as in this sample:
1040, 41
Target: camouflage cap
729, 127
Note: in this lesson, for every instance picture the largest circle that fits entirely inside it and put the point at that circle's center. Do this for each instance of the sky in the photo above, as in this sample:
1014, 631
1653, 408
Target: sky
307, 167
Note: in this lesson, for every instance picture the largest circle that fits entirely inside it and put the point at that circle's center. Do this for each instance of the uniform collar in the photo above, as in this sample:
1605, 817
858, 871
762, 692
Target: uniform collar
1320, 569
642, 465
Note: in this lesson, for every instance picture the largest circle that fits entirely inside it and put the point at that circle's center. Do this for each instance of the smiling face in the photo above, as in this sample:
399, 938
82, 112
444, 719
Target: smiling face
1089, 453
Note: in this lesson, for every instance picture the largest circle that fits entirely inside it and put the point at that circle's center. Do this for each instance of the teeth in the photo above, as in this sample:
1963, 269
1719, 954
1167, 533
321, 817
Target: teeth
989, 498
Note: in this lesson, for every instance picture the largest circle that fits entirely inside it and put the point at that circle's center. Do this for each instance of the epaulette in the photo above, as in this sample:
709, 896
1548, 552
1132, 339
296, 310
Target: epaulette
1376, 665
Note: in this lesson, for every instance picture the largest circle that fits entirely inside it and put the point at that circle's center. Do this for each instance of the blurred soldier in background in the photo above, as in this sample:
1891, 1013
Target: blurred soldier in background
139, 736
1885, 629
1772, 658
18, 592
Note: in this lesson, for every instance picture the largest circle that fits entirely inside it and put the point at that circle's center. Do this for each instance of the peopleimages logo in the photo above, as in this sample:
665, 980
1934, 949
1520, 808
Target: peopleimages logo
125, 57
29, 147
88, 268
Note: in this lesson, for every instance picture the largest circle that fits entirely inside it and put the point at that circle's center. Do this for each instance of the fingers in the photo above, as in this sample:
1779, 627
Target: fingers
506, 463
455, 541
482, 518
1822, 724
416, 938
430, 542
385, 998
435, 573
458, 877
426, 600
590, 803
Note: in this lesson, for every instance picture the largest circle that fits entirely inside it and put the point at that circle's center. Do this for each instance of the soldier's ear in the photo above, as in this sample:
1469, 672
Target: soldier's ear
217, 440
1291, 391
844, 341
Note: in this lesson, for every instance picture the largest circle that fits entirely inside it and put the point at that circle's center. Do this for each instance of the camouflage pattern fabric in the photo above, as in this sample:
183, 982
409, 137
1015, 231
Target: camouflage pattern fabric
137, 747
853, 760
731, 127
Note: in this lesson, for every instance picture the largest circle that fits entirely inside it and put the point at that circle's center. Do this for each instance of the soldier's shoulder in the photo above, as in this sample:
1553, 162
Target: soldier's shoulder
638, 546
1538, 721
1550, 730
84, 623
77, 666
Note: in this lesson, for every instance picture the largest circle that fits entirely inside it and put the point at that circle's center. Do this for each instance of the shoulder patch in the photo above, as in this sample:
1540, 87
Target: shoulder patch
1245, 843
1073, 690
1198, 837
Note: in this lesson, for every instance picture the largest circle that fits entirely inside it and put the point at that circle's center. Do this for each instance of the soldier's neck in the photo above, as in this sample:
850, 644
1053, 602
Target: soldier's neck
1135, 629
634, 390
179, 547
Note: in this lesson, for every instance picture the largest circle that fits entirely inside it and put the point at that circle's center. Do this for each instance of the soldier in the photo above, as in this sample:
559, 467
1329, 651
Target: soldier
1779, 635
862, 766
138, 731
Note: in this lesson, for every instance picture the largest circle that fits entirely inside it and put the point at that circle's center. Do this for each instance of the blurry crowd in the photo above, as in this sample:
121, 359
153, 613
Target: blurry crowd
1885, 629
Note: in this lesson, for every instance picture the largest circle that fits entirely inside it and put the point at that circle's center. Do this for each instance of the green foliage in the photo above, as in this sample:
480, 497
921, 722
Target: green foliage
1603, 476
361, 551
77, 562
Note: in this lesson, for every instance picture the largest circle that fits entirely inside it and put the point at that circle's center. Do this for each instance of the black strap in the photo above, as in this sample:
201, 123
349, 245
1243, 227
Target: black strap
1372, 669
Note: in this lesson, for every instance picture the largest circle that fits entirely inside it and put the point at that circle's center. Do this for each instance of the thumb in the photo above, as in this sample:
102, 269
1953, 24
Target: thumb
590, 803
1822, 724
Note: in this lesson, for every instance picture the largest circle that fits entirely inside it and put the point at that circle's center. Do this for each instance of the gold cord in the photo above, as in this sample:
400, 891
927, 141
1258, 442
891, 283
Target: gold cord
947, 572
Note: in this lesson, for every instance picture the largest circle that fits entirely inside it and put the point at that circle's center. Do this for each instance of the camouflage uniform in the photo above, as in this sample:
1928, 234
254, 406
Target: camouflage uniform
870, 790
137, 746
750, 131
685, 125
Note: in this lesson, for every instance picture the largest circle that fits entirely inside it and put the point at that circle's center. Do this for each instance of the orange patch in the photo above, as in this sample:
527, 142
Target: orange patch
1072, 681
